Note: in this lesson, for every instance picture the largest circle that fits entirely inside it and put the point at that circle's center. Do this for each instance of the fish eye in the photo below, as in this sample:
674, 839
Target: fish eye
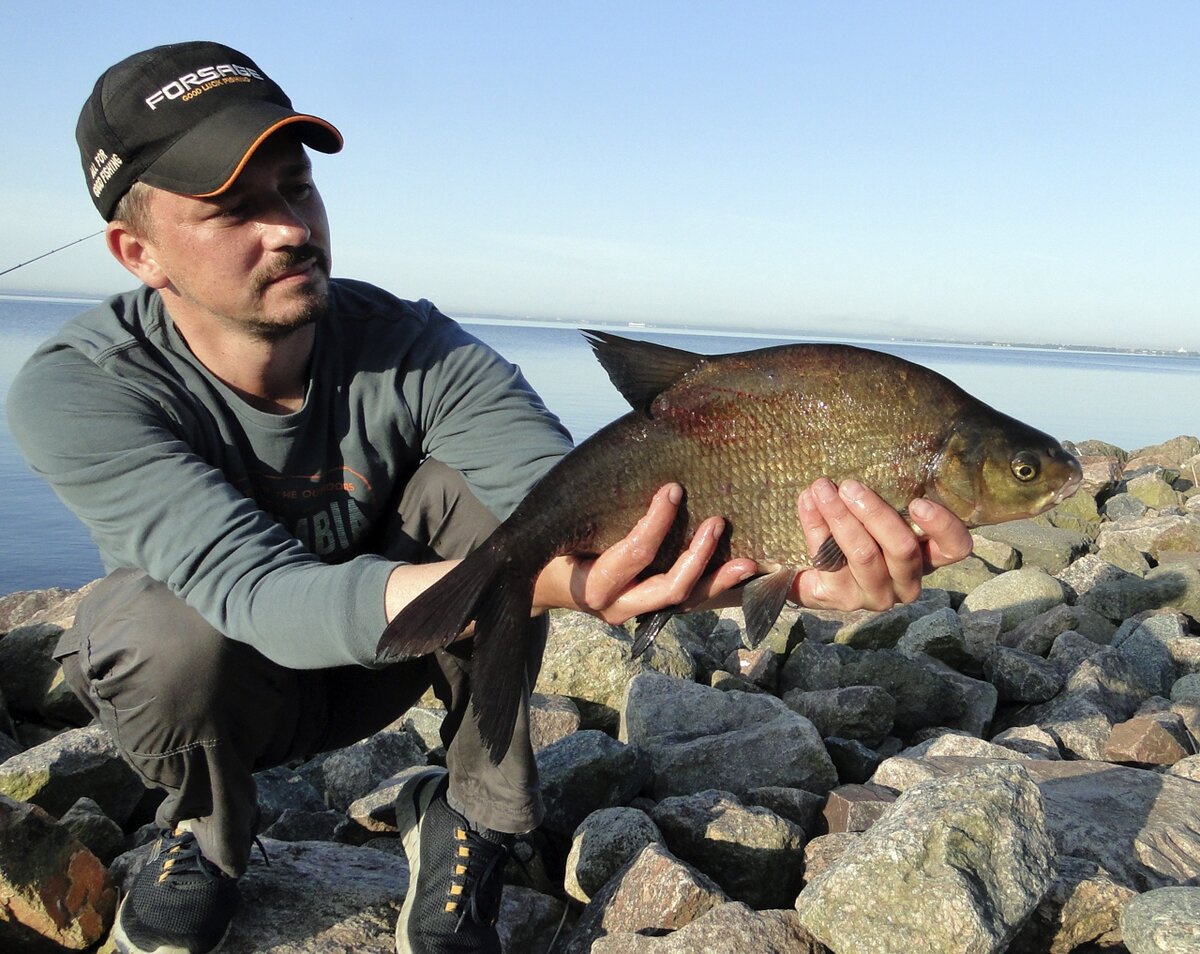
1025, 466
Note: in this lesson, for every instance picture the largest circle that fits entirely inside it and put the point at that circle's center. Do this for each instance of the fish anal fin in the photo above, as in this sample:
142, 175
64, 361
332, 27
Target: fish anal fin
649, 625
640, 370
829, 556
762, 602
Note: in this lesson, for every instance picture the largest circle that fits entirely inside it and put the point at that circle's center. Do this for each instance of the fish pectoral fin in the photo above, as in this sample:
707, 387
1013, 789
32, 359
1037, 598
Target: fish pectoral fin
829, 556
649, 625
762, 602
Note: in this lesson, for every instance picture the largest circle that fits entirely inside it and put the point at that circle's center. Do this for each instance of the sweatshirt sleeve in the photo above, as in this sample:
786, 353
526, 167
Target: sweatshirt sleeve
479, 415
114, 458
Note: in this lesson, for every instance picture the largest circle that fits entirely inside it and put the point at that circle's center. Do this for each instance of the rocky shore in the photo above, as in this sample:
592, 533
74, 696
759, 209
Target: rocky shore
1009, 764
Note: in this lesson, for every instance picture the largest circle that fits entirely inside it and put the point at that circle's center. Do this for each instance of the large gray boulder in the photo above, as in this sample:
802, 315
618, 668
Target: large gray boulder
585, 772
1164, 587
853, 712
354, 771
1140, 826
727, 927
1164, 921
78, 762
700, 738
589, 661
1019, 595
925, 693
955, 867
735, 845
1160, 649
1046, 547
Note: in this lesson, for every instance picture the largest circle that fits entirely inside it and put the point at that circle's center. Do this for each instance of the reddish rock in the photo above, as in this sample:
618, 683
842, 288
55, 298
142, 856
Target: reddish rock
654, 892
825, 851
856, 807
51, 886
1159, 739
1101, 473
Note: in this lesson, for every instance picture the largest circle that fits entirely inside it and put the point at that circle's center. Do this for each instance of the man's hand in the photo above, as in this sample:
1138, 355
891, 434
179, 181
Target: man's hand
884, 558
607, 586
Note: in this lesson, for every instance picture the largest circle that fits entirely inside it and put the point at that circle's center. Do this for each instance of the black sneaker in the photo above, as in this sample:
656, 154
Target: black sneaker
180, 903
455, 874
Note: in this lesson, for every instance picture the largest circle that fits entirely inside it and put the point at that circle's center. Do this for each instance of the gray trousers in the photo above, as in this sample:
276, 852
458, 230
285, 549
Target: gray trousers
196, 713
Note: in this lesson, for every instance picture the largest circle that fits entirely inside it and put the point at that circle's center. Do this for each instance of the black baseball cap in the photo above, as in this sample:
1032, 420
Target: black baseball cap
185, 118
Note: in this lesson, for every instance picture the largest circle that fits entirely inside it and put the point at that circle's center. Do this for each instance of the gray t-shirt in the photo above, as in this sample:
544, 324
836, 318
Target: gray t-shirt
260, 521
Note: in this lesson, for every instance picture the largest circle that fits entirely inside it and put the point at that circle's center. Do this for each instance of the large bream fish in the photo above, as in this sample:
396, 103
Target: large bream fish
743, 434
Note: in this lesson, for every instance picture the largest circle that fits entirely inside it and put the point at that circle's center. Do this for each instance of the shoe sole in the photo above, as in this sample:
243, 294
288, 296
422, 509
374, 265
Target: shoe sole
126, 946
411, 804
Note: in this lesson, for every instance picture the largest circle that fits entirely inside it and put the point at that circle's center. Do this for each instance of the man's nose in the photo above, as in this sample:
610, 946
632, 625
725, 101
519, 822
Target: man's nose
284, 225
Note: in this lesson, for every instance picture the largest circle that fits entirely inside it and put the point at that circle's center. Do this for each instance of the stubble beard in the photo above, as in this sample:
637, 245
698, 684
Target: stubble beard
314, 300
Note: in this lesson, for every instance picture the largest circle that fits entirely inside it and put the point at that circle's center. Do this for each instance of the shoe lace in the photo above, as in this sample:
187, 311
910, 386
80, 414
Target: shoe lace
477, 877
182, 861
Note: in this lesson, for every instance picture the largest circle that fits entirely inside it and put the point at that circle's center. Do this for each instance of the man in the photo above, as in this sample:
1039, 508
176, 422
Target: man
272, 464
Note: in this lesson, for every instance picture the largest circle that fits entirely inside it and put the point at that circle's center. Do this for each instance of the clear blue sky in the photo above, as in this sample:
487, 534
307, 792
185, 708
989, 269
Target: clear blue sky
997, 170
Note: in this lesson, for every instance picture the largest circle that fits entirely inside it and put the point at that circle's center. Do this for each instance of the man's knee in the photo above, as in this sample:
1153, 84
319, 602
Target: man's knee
145, 658
438, 517
135, 631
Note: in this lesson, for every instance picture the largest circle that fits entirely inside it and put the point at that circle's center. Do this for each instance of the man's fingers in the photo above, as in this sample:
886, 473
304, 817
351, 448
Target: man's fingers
947, 538
884, 560
714, 590
866, 569
902, 555
618, 566
675, 586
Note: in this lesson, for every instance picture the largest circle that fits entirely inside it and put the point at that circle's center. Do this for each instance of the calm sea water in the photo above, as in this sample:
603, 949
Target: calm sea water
1128, 400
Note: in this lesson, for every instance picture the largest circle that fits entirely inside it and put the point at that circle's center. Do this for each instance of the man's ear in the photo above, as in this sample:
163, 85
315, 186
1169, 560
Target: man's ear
135, 253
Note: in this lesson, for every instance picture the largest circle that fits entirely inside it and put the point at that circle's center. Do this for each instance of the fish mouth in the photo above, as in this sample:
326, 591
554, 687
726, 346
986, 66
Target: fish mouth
1066, 490
1072, 484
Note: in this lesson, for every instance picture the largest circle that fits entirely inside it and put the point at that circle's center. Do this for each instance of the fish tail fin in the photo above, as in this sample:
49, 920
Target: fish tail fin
495, 591
499, 679
438, 616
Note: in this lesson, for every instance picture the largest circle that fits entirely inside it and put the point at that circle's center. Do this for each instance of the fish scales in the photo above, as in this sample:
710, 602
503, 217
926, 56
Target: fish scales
744, 434
746, 447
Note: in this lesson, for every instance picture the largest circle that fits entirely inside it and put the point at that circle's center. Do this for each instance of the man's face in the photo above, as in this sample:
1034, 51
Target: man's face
255, 258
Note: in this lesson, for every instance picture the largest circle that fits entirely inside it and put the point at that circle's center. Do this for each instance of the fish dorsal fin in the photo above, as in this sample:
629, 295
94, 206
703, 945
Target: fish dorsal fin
640, 370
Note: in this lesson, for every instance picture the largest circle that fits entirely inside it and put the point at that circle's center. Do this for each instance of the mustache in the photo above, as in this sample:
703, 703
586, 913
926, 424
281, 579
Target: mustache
293, 257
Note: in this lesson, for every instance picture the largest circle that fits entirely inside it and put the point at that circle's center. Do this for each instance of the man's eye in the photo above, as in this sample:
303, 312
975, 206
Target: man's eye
236, 210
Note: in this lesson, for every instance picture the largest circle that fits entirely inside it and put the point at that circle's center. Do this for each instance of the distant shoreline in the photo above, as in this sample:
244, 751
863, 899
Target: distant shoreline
487, 318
